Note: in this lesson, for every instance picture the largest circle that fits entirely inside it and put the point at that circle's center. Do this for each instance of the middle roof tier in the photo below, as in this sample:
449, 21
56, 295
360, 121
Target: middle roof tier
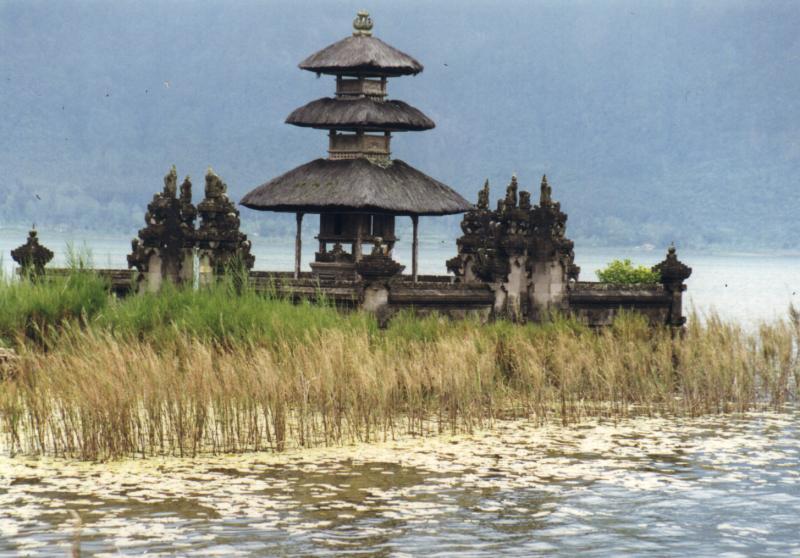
360, 114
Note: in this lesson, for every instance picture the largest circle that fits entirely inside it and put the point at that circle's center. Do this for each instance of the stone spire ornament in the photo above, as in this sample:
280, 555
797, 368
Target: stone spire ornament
362, 24
673, 273
32, 257
483, 196
546, 193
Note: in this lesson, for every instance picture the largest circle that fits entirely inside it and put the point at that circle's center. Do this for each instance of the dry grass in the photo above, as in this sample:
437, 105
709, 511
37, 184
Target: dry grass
97, 395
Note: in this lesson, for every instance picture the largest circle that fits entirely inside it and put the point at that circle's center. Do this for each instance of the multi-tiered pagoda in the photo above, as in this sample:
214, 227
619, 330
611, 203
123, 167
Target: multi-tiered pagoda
358, 190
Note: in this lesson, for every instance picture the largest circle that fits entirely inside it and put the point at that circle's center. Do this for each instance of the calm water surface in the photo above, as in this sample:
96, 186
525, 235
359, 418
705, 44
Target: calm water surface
722, 486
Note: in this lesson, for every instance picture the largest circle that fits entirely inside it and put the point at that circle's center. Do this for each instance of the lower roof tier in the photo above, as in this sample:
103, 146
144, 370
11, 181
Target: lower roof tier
361, 113
356, 185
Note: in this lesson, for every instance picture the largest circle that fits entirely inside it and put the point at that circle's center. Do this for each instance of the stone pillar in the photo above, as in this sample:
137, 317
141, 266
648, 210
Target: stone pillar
673, 273
298, 244
551, 256
153, 274
414, 247
205, 268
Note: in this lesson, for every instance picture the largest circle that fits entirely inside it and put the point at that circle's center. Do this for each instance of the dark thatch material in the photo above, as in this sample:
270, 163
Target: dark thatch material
368, 56
356, 185
362, 113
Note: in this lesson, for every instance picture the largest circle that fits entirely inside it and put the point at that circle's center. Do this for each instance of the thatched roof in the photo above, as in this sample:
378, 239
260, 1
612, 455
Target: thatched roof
362, 113
361, 54
356, 185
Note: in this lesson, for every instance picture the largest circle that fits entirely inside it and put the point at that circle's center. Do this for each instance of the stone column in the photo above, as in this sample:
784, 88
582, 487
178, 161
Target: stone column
298, 244
551, 256
414, 247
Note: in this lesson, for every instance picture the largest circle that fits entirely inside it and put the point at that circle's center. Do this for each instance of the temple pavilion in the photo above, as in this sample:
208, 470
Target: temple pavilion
358, 190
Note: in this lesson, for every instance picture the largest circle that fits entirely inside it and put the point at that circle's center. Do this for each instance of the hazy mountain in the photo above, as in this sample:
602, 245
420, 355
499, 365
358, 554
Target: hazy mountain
654, 121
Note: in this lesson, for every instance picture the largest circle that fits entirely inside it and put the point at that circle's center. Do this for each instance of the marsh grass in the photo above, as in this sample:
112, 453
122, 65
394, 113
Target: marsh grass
226, 369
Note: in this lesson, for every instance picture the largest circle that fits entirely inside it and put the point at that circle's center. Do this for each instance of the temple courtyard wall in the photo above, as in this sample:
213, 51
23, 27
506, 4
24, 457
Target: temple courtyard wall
514, 262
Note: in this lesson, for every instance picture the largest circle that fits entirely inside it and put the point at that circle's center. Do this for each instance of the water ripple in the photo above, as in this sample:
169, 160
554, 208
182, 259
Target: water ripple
719, 486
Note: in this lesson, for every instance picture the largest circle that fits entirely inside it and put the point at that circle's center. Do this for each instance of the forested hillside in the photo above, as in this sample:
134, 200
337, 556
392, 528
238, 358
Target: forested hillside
655, 122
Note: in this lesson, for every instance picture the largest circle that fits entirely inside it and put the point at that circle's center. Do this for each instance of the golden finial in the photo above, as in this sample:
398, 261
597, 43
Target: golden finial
362, 24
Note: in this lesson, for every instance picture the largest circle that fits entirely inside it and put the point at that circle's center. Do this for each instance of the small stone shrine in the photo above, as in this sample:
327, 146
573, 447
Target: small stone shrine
219, 241
520, 250
164, 248
673, 273
32, 256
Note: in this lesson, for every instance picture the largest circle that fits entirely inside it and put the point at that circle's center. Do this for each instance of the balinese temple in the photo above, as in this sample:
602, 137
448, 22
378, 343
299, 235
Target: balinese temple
358, 189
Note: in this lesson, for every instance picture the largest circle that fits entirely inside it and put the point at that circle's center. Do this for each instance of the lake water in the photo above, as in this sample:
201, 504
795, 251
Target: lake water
720, 486
747, 287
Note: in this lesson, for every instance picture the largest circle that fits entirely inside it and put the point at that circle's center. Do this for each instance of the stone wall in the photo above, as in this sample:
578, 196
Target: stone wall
596, 304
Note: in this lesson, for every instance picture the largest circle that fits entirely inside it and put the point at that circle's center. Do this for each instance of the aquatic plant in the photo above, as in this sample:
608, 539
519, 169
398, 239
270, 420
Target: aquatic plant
315, 377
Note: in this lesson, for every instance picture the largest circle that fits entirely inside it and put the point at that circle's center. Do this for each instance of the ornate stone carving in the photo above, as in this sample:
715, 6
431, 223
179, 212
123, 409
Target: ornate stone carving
362, 24
218, 236
483, 197
32, 257
514, 229
673, 273
519, 249
378, 266
672, 270
335, 255
548, 232
168, 231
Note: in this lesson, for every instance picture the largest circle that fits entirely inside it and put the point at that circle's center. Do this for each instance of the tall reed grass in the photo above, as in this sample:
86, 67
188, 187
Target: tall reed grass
229, 370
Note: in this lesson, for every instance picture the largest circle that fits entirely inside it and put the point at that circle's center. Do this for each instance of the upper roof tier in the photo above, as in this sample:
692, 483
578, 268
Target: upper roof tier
362, 54
360, 113
357, 185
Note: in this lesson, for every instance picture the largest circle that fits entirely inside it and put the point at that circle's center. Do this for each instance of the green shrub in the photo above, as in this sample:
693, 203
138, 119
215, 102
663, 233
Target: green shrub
623, 271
